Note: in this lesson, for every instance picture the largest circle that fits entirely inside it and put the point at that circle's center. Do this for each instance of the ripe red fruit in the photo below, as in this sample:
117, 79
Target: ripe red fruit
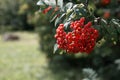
106, 15
47, 9
89, 24
82, 38
105, 2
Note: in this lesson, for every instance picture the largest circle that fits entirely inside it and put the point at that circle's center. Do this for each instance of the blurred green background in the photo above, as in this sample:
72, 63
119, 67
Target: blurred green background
27, 40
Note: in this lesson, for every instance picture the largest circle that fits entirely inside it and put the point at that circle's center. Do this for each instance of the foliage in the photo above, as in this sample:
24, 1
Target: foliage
106, 52
16, 14
109, 10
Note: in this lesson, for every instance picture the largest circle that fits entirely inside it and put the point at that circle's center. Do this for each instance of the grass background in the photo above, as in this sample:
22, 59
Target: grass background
22, 60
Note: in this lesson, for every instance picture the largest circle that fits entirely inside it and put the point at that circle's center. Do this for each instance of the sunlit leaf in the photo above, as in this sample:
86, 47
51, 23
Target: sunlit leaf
68, 6
60, 3
55, 48
40, 2
57, 21
66, 25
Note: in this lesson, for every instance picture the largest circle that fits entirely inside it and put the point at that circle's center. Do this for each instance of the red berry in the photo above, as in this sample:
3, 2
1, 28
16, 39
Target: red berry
106, 15
89, 24
80, 39
105, 2
47, 9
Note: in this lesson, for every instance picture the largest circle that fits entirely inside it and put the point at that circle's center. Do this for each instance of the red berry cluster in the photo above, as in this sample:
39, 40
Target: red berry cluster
61, 37
82, 38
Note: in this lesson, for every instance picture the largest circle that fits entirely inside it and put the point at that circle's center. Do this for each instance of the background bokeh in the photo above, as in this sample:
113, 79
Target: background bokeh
27, 41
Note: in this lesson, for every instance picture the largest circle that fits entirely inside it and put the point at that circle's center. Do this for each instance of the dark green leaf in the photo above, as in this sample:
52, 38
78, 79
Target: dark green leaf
50, 13
54, 16
66, 24
60, 19
104, 26
52, 19
55, 48
62, 16
57, 21
114, 27
116, 24
68, 6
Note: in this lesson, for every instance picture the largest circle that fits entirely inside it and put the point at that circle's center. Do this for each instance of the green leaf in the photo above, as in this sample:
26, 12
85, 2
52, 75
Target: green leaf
47, 2
60, 3
104, 21
66, 24
57, 21
69, 12
68, 6
114, 29
61, 52
60, 19
62, 16
50, 13
40, 3
72, 16
105, 31
53, 18
55, 48
116, 24
52, 2
104, 26
110, 31
43, 2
